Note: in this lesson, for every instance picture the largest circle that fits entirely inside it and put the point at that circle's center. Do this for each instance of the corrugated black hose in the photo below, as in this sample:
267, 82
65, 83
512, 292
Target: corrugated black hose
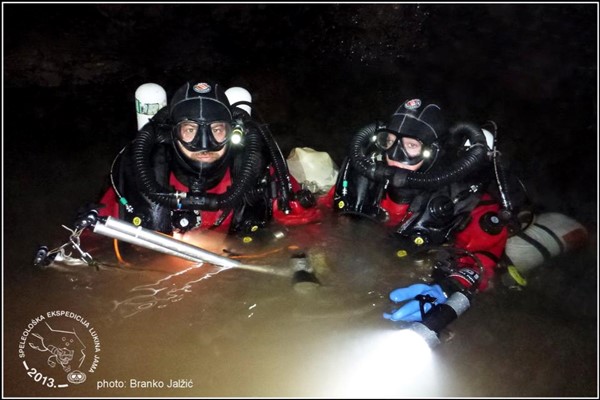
473, 158
142, 148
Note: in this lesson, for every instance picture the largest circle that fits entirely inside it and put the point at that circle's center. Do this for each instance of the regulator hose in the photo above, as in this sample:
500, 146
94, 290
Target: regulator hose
279, 162
363, 163
506, 213
281, 169
473, 158
148, 185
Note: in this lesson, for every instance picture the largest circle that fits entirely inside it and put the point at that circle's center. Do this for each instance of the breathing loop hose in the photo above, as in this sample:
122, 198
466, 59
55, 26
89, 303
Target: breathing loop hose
147, 184
474, 157
280, 166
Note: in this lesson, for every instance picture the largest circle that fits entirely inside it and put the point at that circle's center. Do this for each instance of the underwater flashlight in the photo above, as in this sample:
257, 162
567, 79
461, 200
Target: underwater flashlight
237, 133
236, 137
440, 316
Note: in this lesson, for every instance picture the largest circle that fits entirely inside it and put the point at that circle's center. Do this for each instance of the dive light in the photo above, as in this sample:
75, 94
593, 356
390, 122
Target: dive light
440, 316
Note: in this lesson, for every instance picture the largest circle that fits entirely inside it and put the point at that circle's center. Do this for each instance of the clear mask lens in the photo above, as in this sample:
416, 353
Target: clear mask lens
401, 148
203, 136
220, 131
187, 131
385, 140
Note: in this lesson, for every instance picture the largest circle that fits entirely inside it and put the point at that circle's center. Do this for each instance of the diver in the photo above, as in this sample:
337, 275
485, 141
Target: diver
434, 188
203, 163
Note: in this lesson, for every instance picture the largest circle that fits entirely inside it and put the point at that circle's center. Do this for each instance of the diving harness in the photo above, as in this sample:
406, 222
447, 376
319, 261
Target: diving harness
248, 137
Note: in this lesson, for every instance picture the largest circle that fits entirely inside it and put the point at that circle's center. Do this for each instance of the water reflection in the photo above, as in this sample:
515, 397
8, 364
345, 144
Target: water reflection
160, 293
259, 332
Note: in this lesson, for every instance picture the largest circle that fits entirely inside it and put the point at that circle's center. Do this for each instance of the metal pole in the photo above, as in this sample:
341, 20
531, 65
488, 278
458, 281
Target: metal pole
106, 231
140, 236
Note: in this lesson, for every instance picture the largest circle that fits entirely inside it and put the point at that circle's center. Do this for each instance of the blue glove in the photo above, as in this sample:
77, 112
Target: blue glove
411, 311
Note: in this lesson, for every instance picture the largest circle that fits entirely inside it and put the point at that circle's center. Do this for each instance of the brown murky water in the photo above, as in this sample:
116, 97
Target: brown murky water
243, 332
210, 331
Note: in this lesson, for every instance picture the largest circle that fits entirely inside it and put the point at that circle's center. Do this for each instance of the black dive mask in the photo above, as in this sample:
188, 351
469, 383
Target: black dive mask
202, 136
403, 149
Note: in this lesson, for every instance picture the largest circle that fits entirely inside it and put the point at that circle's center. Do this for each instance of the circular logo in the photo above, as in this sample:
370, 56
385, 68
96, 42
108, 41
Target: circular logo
59, 348
202, 87
412, 104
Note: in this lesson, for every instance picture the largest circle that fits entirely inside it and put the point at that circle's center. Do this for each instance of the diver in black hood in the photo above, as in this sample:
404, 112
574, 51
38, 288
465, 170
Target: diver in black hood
432, 186
202, 162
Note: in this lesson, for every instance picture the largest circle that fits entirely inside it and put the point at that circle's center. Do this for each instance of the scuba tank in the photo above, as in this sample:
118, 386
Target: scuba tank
149, 98
240, 98
549, 235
